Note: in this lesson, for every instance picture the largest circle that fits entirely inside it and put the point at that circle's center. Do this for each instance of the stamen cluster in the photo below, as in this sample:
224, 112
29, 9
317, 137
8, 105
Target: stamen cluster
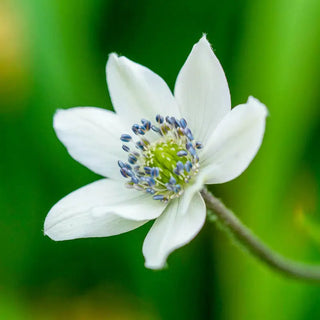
164, 167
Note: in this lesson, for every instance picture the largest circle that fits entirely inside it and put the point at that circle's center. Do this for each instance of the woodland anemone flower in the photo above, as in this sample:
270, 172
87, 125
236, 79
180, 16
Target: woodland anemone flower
157, 151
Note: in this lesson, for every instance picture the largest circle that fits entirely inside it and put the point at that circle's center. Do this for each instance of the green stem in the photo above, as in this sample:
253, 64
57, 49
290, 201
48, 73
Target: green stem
254, 245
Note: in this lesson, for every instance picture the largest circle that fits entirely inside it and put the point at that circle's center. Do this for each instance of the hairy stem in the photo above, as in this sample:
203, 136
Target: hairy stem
252, 243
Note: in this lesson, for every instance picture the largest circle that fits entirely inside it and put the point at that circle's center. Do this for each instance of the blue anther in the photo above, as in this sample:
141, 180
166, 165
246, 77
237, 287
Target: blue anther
180, 166
141, 130
128, 166
133, 156
134, 179
132, 159
159, 119
192, 151
199, 145
147, 170
150, 190
172, 180
125, 148
151, 182
125, 137
155, 172
176, 171
146, 124
188, 166
189, 145
177, 123
120, 164
188, 133
124, 172
155, 129
169, 120
135, 128
177, 188
130, 173
169, 186
158, 197
182, 153
140, 145
183, 123
173, 120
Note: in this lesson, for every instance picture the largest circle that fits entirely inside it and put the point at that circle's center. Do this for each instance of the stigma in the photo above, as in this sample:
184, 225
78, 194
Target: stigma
164, 167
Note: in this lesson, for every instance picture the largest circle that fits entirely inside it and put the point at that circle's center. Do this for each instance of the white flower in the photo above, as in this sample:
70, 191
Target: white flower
166, 166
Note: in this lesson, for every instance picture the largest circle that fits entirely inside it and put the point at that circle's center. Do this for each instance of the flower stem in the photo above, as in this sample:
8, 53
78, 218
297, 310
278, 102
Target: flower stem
255, 246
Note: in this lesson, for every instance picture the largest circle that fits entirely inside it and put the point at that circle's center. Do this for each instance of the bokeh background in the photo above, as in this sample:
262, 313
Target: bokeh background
53, 55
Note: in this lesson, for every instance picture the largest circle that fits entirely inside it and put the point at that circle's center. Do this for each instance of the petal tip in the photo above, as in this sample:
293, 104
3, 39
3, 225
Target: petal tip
254, 101
204, 37
155, 266
46, 232
204, 41
47, 226
113, 56
154, 262
112, 59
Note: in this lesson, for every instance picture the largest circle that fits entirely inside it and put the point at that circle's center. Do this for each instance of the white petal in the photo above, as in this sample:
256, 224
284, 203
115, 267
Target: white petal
137, 92
235, 142
173, 230
92, 137
190, 192
102, 208
202, 91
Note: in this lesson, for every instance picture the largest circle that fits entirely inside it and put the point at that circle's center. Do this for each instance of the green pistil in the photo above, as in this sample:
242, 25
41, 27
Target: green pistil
164, 156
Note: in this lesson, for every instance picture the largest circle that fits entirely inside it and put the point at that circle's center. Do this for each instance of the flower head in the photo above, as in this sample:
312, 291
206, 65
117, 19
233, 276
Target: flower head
157, 150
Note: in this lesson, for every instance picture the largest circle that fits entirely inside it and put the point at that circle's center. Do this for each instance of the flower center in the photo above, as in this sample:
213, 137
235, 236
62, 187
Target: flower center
163, 168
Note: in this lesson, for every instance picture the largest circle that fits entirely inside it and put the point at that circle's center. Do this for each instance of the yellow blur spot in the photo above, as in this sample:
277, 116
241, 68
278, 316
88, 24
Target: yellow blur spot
14, 82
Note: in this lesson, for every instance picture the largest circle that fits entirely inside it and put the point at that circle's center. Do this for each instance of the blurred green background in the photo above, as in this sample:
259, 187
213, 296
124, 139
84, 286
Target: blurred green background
53, 55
